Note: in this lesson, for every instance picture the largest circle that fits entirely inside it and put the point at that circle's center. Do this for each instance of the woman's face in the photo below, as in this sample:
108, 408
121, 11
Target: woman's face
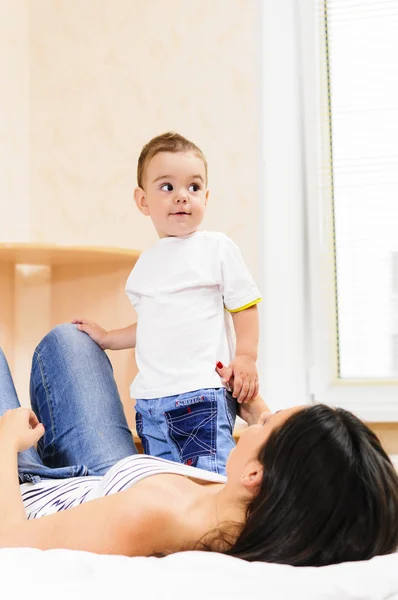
253, 438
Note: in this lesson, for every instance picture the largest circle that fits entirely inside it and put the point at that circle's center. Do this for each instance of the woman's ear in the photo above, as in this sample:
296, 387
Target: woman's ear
140, 200
252, 477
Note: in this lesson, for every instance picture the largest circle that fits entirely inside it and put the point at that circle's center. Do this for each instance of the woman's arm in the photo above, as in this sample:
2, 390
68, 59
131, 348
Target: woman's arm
19, 430
253, 412
133, 522
125, 523
11, 507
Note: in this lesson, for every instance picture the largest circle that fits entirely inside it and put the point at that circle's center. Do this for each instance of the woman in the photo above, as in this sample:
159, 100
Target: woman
308, 486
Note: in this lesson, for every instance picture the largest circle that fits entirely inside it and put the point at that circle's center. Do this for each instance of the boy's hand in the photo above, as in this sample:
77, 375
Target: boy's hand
252, 412
97, 333
242, 378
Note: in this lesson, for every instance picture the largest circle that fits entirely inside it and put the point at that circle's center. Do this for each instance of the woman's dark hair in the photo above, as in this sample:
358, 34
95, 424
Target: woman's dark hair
329, 494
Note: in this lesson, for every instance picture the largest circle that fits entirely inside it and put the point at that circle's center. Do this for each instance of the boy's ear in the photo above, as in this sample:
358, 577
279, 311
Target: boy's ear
140, 200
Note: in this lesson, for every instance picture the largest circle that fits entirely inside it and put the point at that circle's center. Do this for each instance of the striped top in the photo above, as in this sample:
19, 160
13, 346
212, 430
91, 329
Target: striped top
53, 495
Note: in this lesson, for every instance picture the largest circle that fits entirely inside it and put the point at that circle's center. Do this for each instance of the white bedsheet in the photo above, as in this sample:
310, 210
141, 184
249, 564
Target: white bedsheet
60, 574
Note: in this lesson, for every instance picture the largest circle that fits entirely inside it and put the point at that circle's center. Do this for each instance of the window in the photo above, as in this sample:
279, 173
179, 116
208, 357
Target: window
353, 212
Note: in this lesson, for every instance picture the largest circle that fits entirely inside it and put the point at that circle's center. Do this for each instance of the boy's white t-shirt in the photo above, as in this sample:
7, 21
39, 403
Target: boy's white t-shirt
180, 289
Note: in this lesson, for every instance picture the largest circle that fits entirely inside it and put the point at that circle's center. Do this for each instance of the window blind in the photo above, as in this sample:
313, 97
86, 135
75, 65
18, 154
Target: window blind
361, 38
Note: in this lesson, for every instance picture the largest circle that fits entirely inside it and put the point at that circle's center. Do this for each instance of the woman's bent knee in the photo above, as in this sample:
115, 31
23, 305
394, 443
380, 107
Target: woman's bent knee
67, 336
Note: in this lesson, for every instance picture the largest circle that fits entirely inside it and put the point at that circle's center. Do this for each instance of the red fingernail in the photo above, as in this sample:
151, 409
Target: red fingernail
220, 365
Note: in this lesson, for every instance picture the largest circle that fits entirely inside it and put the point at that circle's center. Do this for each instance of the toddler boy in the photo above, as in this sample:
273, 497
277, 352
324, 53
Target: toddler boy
180, 289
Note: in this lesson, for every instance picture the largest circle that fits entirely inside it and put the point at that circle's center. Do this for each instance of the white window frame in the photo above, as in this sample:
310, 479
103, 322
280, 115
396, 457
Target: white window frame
298, 344
374, 400
283, 353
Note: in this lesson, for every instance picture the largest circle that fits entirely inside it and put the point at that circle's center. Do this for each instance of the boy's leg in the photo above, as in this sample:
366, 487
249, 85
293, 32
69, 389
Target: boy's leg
154, 442
199, 426
30, 466
226, 417
75, 396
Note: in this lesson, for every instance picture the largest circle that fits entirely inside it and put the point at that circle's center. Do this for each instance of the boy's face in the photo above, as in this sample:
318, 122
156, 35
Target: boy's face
175, 194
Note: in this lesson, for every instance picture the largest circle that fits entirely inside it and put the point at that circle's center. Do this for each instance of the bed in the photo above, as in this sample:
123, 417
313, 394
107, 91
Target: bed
34, 574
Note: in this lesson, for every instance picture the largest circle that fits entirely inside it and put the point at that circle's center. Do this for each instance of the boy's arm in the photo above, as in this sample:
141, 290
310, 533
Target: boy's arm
240, 295
121, 339
115, 339
246, 326
243, 367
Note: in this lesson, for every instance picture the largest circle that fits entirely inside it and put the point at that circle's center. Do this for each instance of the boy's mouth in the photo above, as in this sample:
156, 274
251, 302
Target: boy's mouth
181, 212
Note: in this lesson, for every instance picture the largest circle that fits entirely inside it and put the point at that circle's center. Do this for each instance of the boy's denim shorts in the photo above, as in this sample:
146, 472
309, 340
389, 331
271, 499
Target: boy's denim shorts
195, 428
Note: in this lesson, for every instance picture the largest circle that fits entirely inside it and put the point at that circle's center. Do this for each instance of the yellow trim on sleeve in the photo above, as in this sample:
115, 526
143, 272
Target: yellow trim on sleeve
235, 310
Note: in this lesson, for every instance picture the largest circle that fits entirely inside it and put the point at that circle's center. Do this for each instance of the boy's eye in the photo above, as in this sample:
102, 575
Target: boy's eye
194, 187
166, 187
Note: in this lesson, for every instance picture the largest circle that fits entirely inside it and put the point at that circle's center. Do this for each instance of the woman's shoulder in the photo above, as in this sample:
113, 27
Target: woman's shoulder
154, 522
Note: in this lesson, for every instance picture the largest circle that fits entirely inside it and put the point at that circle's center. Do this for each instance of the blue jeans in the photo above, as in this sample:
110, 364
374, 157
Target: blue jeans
74, 395
195, 428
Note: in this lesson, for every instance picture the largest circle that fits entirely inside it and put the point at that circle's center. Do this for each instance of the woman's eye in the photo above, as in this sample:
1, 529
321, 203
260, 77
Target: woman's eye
194, 187
166, 187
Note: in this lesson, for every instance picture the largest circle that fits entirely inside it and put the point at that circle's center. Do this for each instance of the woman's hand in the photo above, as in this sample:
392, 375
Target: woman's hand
255, 412
20, 428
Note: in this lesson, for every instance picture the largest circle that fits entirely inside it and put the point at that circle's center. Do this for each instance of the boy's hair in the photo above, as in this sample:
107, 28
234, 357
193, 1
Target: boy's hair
166, 142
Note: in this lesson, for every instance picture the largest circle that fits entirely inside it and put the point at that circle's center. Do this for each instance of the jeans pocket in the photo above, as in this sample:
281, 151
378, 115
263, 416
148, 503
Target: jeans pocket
140, 427
230, 409
193, 429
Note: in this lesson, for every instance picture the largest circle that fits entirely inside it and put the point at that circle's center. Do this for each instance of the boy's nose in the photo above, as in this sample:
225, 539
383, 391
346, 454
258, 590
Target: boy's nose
181, 197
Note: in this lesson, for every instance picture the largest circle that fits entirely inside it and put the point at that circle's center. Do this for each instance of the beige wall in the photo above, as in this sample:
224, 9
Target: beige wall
107, 76
14, 121
85, 83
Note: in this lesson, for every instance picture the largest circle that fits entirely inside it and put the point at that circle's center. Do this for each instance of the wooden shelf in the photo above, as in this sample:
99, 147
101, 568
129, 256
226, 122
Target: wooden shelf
46, 254
43, 285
